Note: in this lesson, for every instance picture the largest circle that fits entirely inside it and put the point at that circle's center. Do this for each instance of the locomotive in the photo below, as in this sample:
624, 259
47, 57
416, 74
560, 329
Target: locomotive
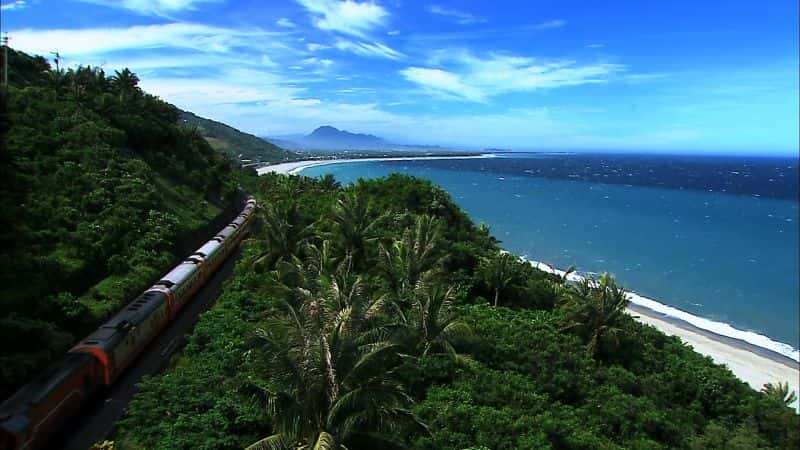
39, 408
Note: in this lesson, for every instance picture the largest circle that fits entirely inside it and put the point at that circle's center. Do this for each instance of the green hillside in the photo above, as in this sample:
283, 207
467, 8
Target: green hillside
100, 192
378, 316
233, 142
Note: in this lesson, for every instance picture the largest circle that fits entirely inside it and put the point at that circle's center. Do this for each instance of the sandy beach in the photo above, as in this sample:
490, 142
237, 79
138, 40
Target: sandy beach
294, 167
753, 364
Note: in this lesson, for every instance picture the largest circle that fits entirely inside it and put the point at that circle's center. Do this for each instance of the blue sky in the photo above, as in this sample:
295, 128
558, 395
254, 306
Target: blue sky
711, 76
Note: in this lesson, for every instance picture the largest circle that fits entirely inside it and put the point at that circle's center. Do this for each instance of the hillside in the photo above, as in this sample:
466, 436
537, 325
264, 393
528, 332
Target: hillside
378, 315
234, 143
101, 192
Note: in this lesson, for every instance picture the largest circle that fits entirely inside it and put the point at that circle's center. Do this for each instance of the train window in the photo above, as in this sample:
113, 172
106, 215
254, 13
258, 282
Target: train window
168, 284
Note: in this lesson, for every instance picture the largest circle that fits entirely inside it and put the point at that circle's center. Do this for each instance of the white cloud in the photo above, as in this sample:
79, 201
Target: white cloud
476, 79
85, 41
347, 16
284, 22
152, 7
374, 50
461, 17
393, 32
549, 24
595, 45
314, 61
14, 5
443, 82
313, 47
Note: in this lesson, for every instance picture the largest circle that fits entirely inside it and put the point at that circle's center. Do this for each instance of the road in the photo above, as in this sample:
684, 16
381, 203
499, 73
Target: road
97, 421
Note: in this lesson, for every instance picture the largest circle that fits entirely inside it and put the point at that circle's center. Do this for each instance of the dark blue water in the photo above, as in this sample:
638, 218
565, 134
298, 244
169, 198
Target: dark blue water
715, 237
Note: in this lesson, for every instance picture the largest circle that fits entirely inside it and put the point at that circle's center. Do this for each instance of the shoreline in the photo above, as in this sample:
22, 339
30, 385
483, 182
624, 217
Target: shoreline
751, 363
295, 167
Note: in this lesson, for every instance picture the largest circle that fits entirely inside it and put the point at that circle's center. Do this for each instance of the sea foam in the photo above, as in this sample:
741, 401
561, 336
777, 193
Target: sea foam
718, 328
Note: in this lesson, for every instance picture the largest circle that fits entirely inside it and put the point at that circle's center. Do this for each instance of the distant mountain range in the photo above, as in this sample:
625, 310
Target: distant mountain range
329, 138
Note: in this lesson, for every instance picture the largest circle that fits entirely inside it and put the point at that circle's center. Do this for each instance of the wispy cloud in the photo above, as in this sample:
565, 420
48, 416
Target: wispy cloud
348, 16
473, 78
595, 45
550, 24
443, 82
14, 5
284, 22
199, 37
314, 47
321, 62
460, 17
152, 7
375, 50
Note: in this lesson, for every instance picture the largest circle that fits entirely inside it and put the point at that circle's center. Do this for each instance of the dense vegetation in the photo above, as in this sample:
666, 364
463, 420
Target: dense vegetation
379, 316
234, 143
100, 190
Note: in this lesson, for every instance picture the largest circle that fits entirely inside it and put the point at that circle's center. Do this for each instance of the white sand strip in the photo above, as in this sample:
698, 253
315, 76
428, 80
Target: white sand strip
294, 167
753, 368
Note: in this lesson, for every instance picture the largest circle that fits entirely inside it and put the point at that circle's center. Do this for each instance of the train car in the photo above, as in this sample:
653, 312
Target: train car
34, 413
117, 342
180, 284
37, 410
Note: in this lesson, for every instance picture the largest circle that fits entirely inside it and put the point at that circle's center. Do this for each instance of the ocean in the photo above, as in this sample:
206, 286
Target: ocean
709, 240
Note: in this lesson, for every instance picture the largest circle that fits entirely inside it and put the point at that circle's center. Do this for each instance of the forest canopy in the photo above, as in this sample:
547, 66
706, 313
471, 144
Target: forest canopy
101, 191
378, 315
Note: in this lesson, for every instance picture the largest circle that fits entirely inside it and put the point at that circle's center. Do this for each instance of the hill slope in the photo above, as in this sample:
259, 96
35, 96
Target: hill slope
233, 142
381, 294
101, 192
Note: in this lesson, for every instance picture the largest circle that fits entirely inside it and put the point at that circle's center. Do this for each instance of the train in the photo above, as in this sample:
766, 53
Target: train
35, 412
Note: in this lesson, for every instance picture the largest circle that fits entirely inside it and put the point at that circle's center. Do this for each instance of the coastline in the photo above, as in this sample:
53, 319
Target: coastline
295, 167
752, 363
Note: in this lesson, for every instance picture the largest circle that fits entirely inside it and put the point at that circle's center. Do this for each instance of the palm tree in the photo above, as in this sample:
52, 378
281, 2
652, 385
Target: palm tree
598, 311
416, 255
328, 383
126, 83
780, 392
329, 183
499, 273
354, 228
283, 234
433, 324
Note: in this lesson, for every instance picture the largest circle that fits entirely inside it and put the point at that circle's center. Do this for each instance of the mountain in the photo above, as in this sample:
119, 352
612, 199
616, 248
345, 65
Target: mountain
329, 138
236, 144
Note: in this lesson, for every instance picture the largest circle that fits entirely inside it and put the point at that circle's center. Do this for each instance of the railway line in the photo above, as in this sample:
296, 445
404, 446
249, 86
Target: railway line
76, 403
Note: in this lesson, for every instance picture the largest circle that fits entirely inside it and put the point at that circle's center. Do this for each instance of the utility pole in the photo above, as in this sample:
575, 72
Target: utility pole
4, 42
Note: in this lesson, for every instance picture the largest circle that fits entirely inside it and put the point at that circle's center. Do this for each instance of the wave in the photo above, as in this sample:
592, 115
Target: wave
719, 328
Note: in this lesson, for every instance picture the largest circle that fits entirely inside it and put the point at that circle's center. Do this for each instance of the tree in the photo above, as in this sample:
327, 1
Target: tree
126, 83
780, 392
327, 383
498, 274
598, 308
417, 254
354, 227
283, 235
433, 324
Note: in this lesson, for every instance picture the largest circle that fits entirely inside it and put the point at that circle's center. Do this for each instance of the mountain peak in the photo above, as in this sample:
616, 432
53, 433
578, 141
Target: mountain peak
327, 136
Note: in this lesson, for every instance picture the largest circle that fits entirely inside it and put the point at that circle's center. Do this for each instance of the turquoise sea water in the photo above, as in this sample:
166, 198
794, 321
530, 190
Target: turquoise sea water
728, 257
